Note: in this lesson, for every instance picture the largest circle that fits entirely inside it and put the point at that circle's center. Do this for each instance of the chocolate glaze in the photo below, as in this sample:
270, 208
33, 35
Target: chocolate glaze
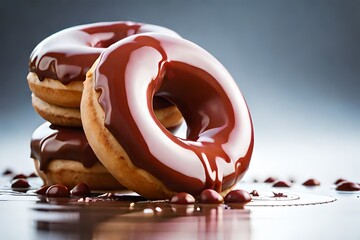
67, 55
55, 142
219, 140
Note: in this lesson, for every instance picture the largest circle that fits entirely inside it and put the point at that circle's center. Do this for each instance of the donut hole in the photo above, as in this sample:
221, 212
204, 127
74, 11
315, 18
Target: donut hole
167, 114
204, 106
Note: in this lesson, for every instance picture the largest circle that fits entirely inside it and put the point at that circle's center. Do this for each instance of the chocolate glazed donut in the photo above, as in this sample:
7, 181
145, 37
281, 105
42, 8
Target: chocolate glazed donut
127, 138
67, 55
63, 155
59, 63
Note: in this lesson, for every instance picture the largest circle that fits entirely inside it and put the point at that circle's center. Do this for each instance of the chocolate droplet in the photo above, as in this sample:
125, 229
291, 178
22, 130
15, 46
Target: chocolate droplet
32, 175
7, 172
339, 181
42, 190
279, 195
81, 190
311, 182
282, 184
20, 176
20, 183
238, 196
107, 196
348, 186
270, 180
255, 193
211, 196
182, 198
58, 190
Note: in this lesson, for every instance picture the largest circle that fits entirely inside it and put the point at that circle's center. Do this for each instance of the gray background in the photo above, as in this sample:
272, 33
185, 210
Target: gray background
296, 62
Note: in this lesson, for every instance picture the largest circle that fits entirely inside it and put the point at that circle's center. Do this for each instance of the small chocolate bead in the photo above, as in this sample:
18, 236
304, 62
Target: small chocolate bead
81, 190
311, 182
339, 181
282, 184
254, 193
58, 190
20, 183
7, 172
279, 195
42, 190
19, 176
32, 175
237, 196
348, 186
270, 180
182, 198
211, 196
107, 196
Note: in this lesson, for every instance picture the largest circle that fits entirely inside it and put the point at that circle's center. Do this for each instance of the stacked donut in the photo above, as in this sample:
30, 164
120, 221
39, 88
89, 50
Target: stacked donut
58, 67
141, 80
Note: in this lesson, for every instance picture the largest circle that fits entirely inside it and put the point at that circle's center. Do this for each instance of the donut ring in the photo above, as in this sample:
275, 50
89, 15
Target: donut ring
138, 151
63, 155
58, 67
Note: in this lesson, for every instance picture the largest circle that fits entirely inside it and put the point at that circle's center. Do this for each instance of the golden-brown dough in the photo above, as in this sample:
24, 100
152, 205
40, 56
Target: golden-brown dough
63, 116
71, 173
54, 92
60, 104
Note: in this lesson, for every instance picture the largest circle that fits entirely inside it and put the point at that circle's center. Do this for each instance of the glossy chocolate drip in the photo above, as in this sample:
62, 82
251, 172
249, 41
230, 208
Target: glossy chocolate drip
217, 150
67, 55
54, 142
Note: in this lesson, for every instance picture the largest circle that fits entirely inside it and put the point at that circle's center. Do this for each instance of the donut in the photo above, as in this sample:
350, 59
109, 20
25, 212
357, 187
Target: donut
121, 127
58, 67
63, 155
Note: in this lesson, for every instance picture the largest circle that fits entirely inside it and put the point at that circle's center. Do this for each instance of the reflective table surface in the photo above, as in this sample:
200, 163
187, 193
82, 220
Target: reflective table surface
297, 212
